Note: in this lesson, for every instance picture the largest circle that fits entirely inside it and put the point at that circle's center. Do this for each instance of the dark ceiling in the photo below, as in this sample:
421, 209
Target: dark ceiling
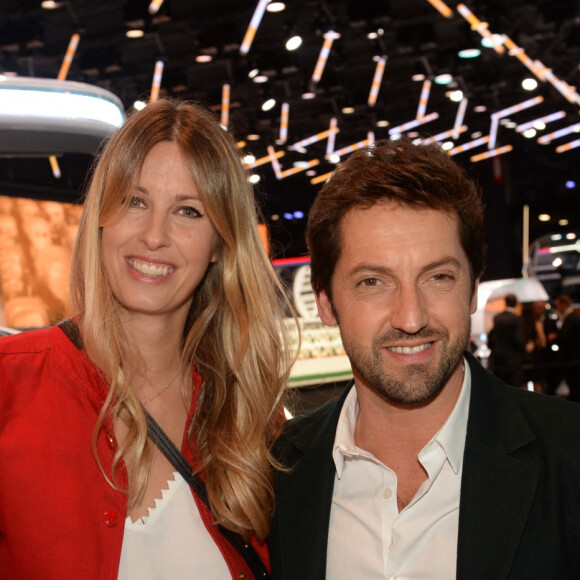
416, 38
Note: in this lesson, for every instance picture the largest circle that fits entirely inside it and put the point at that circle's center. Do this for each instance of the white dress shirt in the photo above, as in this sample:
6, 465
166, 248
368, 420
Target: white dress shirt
368, 537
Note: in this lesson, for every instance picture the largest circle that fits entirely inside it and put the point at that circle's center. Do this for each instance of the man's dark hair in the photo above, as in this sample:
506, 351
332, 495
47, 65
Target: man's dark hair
511, 300
418, 176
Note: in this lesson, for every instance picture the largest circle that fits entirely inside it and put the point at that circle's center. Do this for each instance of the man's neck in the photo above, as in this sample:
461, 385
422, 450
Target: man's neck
390, 430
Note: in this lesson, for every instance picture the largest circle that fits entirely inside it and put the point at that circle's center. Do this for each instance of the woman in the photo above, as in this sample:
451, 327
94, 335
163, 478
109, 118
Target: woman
177, 315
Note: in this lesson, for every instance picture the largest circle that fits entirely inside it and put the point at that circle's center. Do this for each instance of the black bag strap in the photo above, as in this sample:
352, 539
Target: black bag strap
176, 458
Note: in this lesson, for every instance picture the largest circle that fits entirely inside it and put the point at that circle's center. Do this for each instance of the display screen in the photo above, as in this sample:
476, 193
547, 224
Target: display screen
36, 241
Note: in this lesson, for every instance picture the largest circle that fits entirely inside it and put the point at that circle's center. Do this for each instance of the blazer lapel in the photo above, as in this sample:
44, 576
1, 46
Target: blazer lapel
498, 483
299, 536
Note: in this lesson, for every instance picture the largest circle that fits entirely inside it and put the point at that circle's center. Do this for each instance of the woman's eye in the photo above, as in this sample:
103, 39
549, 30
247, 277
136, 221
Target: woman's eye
136, 202
189, 212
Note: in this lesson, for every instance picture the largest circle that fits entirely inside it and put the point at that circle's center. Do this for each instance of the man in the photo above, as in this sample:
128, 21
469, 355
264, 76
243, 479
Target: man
507, 344
569, 344
428, 467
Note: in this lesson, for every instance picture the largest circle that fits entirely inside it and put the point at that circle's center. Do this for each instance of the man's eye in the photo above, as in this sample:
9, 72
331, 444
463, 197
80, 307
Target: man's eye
370, 282
442, 277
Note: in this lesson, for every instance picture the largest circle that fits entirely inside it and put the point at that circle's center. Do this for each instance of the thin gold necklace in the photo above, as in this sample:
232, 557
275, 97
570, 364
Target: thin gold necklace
162, 390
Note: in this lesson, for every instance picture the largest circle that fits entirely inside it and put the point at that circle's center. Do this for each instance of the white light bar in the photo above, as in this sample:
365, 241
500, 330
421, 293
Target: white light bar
30, 97
41, 107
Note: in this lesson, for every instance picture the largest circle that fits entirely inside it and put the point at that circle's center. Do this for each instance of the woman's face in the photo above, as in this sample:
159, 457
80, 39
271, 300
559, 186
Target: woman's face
156, 255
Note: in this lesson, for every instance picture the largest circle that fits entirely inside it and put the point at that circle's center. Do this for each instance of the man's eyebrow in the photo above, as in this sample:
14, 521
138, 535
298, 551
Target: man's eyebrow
378, 270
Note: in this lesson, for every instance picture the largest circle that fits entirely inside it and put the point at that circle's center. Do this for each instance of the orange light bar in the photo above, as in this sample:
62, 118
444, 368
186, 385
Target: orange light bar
568, 146
310, 140
156, 84
274, 161
225, 116
266, 159
560, 133
294, 170
154, 6
479, 26
492, 153
377, 79
284, 123
323, 56
54, 165
469, 145
253, 27
414, 123
423, 99
354, 147
333, 128
440, 136
546, 119
68, 57
441, 7
320, 178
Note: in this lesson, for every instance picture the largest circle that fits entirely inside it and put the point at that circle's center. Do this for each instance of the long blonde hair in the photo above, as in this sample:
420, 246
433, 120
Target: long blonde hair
234, 333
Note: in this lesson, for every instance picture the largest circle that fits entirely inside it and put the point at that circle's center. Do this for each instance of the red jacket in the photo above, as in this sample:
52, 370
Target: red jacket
59, 518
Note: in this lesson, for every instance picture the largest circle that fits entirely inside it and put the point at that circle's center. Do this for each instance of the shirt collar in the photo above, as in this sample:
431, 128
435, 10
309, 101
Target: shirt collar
451, 436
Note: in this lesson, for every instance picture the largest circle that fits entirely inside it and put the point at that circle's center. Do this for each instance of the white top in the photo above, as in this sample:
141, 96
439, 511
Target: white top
172, 543
368, 537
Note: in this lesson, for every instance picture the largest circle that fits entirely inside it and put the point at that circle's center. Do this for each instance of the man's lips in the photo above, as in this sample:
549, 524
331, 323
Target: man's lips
149, 268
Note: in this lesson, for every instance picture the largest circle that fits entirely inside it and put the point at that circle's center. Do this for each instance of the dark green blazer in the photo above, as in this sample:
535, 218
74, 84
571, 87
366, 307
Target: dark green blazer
519, 515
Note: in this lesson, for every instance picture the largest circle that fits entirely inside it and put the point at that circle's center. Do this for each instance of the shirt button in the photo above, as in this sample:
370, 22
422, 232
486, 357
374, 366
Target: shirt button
111, 518
242, 576
110, 441
388, 494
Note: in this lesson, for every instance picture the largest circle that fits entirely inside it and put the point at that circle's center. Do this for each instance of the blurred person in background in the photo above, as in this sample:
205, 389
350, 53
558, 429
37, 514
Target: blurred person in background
507, 344
569, 344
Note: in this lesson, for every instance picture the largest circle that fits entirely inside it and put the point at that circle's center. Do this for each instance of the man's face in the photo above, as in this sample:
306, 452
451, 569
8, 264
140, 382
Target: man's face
401, 295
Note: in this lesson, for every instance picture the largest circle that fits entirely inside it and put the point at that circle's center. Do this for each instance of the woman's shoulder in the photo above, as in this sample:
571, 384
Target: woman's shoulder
31, 341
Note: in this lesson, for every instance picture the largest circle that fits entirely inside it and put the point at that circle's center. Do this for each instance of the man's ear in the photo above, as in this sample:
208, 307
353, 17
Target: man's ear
474, 297
325, 309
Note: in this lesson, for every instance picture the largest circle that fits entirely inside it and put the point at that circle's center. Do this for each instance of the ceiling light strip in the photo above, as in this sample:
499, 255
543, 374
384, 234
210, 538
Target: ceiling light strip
156, 83
440, 136
479, 26
225, 113
377, 80
568, 146
320, 178
265, 159
413, 124
323, 56
68, 57
469, 145
333, 128
458, 124
354, 147
544, 140
423, 100
492, 153
310, 140
441, 7
274, 161
546, 119
154, 6
294, 170
284, 116
253, 27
